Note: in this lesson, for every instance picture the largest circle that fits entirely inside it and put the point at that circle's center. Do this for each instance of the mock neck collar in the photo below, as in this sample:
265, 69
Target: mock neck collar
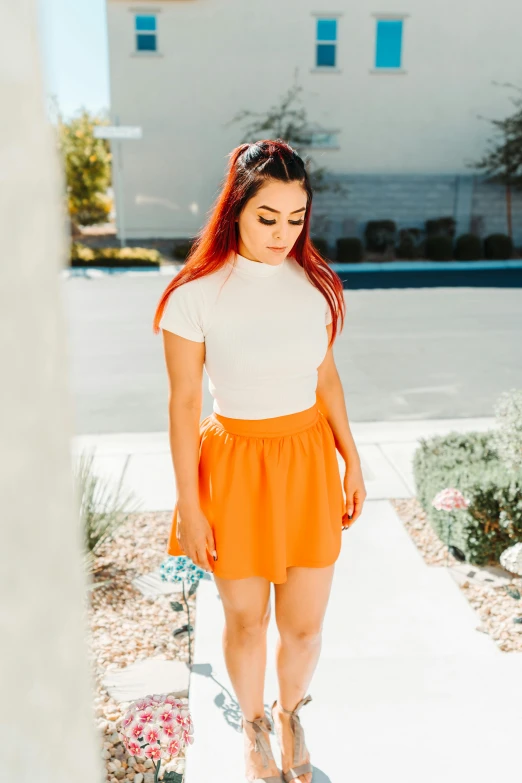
255, 268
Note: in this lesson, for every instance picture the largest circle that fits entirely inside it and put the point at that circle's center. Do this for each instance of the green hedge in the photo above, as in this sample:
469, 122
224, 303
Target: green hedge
81, 255
498, 247
321, 245
438, 248
349, 249
469, 462
468, 247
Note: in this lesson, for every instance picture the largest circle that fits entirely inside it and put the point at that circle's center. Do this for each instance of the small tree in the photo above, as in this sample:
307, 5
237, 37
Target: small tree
87, 163
288, 120
503, 161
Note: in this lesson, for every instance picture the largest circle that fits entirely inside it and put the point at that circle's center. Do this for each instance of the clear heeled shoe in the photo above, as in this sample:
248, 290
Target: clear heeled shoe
300, 749
260, 743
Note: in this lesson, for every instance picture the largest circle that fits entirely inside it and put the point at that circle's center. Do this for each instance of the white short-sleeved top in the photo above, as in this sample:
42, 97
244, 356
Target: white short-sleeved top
264, 331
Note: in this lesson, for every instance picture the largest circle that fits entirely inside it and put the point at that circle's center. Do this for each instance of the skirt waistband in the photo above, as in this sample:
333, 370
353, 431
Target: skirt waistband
272, 427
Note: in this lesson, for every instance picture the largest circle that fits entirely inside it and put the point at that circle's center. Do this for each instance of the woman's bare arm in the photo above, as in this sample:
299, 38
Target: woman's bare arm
185, 360
330, 399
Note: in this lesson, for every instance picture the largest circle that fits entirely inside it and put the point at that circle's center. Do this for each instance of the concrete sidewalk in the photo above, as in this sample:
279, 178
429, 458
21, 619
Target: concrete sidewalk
406, 688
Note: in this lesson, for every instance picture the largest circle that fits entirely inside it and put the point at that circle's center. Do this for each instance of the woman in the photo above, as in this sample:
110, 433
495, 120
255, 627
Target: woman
259, 494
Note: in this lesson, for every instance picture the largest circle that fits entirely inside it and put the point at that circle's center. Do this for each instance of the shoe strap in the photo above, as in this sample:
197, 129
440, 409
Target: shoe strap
297, 729
262, 745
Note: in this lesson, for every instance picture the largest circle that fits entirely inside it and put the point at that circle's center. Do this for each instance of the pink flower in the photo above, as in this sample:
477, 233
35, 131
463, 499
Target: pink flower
127, 720
134, 749
151, 734
146, 716
188, 739
169, 730
136, 730
449, 499
143, 703
173, 748
152, 752
166, 716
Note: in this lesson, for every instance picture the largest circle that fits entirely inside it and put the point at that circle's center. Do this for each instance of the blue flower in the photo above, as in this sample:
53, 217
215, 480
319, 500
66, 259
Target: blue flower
179, 569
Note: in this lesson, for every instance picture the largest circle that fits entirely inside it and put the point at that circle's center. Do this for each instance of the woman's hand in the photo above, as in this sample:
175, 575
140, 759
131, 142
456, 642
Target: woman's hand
194, 535
355, 491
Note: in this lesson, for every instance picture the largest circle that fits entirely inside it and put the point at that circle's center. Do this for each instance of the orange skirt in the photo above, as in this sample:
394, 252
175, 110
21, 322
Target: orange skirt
272, 493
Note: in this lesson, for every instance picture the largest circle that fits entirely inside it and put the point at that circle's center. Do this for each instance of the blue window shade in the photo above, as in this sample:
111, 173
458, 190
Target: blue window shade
146, 23
146, 43
326, 52
388, 43
327, 29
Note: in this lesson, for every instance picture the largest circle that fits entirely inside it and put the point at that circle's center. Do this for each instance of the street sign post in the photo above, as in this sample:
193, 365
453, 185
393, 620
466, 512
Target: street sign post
118, 133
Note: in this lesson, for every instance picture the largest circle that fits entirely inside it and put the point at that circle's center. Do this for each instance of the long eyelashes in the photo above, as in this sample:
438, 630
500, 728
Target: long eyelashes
271, 222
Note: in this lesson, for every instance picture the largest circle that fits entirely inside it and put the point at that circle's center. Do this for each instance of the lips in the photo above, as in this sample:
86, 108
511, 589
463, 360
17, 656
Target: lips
280, 249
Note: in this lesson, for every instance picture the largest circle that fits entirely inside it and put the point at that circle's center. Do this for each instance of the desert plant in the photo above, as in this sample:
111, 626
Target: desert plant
379, 235
498, 247
438, 248
321, 245
508, 437
349, 249
468, 247
443, 226
409, 245
181, 250
102, 509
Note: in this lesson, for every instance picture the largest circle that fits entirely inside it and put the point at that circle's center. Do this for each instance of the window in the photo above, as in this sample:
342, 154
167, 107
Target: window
145, 26
326, 43
388, 43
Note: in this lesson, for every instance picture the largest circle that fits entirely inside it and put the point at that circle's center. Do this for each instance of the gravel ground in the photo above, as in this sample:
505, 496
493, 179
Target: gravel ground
126, 627
495, 607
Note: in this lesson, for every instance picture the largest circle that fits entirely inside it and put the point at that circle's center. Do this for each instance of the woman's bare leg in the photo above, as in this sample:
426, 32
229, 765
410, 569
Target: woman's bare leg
300, 606
247, 613
246, 603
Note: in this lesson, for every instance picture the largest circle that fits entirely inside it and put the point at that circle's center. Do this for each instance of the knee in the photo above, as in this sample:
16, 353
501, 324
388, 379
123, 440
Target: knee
305, 635
248, 625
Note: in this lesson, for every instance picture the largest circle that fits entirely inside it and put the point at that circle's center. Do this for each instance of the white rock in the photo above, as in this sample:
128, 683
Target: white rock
138, 778
105, 754
148, 763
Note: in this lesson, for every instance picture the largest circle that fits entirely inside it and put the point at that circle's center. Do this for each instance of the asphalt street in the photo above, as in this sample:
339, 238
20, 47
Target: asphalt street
424, 345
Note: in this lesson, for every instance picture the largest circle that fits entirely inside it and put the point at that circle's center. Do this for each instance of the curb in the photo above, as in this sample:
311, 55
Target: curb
364, 266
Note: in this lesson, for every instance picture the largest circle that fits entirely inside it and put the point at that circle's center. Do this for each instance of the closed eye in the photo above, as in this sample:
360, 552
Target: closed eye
271, 222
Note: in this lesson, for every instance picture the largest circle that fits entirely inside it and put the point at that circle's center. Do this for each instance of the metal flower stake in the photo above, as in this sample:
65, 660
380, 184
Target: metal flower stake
158, 727
182, 569
450, 499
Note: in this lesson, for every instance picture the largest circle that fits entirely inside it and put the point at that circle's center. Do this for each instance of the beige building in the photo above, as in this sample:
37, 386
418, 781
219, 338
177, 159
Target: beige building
393, 92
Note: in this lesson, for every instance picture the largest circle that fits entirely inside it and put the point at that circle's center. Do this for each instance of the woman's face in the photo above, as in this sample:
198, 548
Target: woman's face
273, 218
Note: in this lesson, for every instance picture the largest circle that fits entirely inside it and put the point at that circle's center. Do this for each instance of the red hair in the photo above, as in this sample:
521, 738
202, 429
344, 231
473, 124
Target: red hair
250, 166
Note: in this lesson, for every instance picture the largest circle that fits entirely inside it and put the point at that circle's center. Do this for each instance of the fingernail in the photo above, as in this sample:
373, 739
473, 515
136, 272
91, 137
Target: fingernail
214, 554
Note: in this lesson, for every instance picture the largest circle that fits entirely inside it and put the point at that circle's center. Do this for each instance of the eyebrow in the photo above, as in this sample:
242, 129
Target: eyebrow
278, 212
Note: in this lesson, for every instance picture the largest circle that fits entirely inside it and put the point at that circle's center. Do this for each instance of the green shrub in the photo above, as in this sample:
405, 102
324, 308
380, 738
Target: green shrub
438, 248
498, 247
379, 235
409, 245
181, 249
507, 437
444, 226
470, 463
321, 245
468, 247
81, 255
349, 249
